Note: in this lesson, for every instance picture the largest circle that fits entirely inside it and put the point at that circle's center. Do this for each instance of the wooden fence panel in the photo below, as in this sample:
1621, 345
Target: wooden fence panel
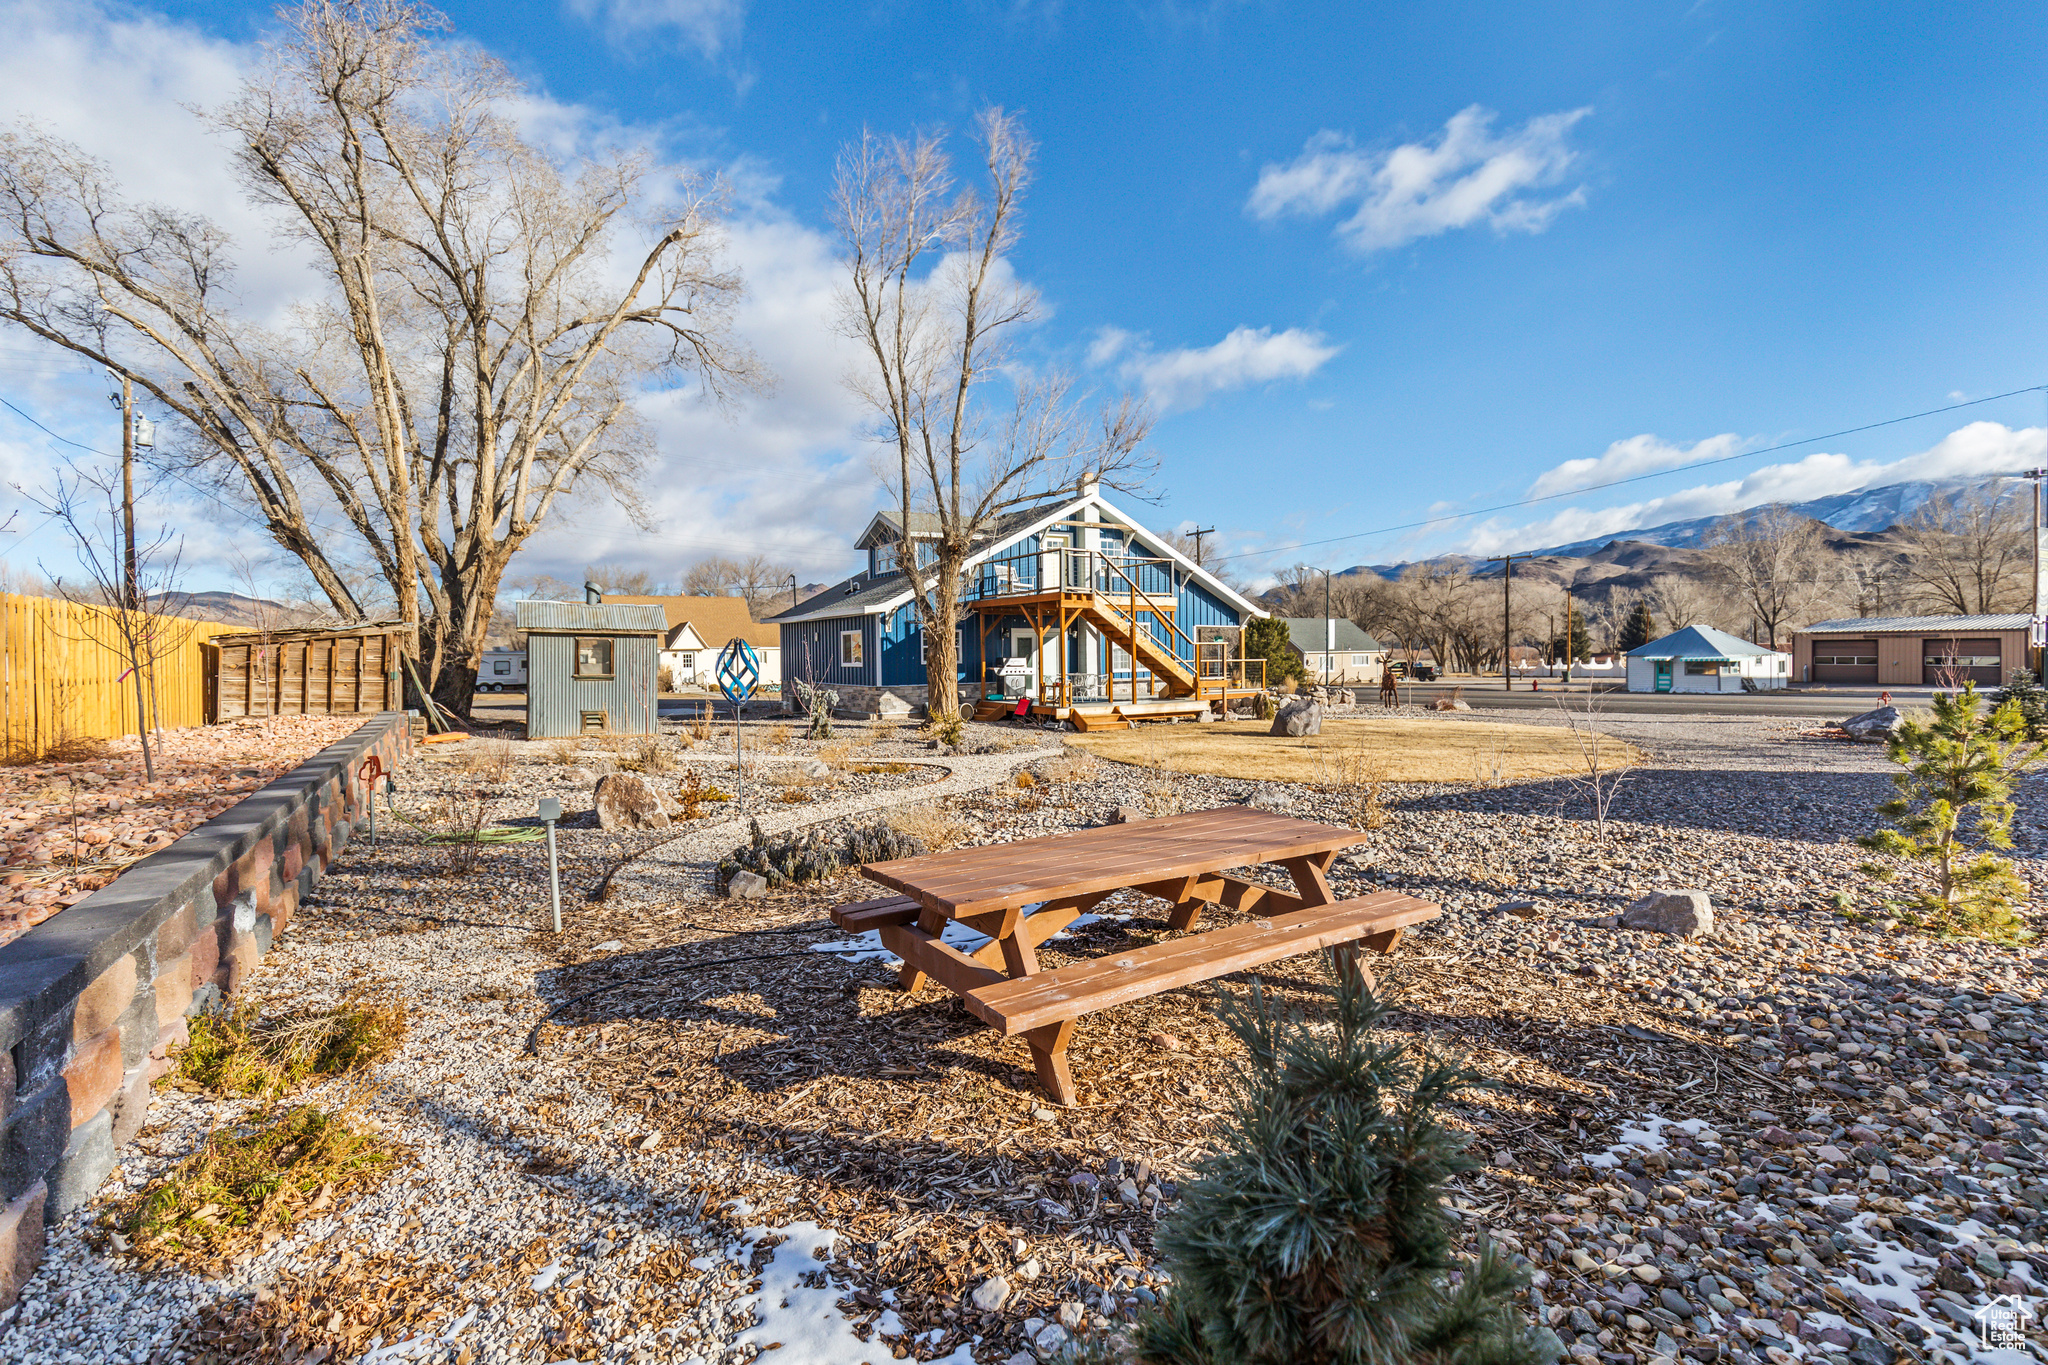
64, 673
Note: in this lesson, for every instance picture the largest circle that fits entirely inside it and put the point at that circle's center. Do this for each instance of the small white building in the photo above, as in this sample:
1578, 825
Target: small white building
1702, 659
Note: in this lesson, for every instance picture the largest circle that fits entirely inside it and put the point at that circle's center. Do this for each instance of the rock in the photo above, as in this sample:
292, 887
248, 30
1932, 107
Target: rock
1686, 914
747, 886
1205, 716
817, 768
1164, 1040
1519, 909
1450, 704
1128, 815
651, 1141
1298, 716
1051, 1337
1127, 1191
610, 945
1873, 727
1044, 1115
1268, 798
991, 1294
892, 707
624, 801
1071, 1315
1030, 1270
581, 777
1020, 1358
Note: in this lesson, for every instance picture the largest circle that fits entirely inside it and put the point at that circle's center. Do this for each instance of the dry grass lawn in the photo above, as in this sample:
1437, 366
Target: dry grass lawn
1349, 752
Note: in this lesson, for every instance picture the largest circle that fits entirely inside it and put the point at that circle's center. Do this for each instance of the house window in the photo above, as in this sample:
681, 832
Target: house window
850, 652
593, 658
1704, 668
885, 559
501, 666
1358, 661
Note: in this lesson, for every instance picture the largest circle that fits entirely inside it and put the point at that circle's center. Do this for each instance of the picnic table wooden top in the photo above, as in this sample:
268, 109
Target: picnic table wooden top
972, 881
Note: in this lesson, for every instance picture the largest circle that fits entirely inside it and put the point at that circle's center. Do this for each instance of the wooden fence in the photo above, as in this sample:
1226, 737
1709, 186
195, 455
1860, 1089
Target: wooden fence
63, 674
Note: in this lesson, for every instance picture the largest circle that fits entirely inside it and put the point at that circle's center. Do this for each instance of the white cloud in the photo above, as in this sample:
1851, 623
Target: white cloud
1420, 189
710, 26
1643, 454
1974, 451
785, 473
1187, 377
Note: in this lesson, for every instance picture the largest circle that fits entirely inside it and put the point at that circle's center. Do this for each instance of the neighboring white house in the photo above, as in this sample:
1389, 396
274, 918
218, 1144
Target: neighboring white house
699, 627
1702, 659
1336, 650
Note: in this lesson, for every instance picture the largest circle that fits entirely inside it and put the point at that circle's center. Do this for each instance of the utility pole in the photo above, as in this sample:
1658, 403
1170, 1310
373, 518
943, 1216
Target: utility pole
1507, 629
1329, 631
128, 574
1568, 637
2034, 651
1205, 531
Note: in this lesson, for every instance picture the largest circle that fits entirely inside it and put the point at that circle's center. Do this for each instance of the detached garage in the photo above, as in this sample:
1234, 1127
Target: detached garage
1911, 651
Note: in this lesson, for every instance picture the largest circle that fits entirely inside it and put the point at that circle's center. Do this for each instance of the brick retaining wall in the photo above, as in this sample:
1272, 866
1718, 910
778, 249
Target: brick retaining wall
93, 999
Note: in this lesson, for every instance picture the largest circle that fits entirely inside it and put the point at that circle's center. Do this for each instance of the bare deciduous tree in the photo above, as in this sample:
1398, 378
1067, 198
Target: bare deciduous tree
1682, 600
1772, 560
930, 299
757, 578
471, 353
1967, 551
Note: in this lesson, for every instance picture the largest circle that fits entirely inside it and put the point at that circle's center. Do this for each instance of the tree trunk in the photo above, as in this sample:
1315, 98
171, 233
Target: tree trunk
942, 645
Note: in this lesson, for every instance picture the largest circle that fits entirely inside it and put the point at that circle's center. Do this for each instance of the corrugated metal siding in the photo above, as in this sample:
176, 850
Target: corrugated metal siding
810, 650
556, 698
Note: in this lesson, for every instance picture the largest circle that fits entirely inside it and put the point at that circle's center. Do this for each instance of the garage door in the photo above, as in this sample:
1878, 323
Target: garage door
1845, 661
1950, 663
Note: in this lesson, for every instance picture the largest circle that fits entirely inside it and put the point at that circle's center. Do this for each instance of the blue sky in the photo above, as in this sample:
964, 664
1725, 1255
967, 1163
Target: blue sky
1376, 264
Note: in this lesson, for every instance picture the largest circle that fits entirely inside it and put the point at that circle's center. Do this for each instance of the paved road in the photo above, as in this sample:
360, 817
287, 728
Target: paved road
1831, 703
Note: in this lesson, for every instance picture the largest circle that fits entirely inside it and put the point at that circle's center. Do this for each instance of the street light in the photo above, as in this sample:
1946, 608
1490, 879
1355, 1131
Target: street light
791, 580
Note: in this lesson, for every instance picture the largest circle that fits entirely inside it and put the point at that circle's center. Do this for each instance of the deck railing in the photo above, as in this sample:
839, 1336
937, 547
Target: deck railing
1137, 585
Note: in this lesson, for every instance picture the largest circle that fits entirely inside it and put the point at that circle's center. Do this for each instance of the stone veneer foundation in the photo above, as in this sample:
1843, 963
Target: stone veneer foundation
93, 999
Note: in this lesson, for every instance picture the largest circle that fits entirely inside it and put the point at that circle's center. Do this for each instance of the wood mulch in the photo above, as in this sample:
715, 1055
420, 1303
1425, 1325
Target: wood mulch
912, 1128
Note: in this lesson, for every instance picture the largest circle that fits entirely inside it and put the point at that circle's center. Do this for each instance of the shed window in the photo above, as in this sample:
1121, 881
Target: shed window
850, 652
593, 658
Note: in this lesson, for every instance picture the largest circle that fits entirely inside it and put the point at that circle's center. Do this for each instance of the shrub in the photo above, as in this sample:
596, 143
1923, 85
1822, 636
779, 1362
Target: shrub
880, 843
237, 1053
929, 823
1316, 1234
264, 1174
1954, 806
1265, 638
2022, 687
784, 860
947, 729
789, 859
817, 703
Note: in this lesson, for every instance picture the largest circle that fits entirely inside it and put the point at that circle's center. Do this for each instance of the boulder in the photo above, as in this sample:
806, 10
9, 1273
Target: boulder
1873, 727
747, 886
1686, 914
1267, 798
1519, 909
1128, 815
624, 801
1450, 704
816, 768
889, 706
1298, 716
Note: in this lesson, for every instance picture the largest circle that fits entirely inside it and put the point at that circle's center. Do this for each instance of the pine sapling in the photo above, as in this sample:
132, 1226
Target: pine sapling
1316, 1235
1954, 808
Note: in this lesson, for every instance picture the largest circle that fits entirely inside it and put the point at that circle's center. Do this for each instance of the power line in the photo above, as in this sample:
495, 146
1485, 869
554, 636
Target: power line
1633, 478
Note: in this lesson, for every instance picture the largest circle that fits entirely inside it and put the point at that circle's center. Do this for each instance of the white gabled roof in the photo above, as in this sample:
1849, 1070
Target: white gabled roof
1701, 642
868, 600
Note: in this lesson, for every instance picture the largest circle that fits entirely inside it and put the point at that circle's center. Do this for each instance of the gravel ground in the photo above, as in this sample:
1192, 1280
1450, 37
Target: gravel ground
1810, 1136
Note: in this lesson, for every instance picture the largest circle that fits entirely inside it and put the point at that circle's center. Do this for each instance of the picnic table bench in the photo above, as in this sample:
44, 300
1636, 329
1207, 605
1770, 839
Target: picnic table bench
1021, 894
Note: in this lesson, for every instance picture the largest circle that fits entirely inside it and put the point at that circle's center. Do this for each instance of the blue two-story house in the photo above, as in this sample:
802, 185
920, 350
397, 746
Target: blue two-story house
1072, 610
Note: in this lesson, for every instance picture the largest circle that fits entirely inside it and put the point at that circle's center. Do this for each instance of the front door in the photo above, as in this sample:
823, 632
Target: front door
1024, 648
1663, 675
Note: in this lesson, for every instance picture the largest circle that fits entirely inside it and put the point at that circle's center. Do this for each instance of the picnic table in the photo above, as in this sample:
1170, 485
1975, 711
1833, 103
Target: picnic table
1021, 894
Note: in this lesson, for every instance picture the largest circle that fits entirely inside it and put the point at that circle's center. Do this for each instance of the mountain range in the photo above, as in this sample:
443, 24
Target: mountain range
1629, 561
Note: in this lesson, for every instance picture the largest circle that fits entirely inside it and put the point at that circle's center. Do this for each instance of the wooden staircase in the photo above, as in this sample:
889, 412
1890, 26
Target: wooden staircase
1177, 675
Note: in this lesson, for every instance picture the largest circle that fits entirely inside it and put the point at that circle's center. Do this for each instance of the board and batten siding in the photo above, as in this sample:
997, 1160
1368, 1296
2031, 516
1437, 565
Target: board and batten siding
810, 650
556, 698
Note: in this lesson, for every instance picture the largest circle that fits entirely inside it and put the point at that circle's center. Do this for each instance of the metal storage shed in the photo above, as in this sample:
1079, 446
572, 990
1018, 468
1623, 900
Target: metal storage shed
591, 667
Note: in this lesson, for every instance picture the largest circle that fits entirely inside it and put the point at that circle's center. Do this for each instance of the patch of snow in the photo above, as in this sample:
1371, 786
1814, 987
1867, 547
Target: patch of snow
804, 1319
1646, 1136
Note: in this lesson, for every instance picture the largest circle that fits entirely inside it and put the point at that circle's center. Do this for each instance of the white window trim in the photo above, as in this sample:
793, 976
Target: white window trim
859, 638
